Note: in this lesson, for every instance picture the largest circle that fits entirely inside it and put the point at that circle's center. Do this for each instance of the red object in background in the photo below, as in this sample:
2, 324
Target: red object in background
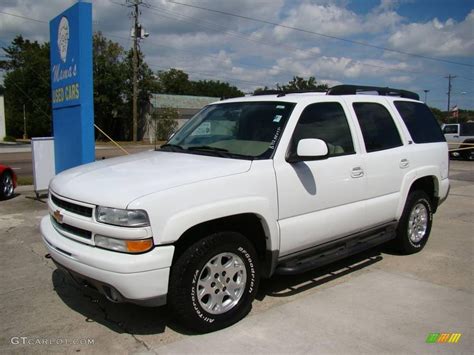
7, 182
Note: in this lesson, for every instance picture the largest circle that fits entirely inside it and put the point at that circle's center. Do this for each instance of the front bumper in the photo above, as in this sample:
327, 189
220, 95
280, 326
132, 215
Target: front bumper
141, 279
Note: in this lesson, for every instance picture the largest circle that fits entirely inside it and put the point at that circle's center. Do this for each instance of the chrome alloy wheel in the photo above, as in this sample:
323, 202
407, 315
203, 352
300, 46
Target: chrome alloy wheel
7, 185
418, 223
221, 283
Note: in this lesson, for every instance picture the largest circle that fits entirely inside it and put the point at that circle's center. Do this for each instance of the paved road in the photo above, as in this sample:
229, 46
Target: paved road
377, 302
19, 157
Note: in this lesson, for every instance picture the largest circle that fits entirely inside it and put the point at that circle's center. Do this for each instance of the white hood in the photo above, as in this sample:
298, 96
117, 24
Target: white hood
118, 181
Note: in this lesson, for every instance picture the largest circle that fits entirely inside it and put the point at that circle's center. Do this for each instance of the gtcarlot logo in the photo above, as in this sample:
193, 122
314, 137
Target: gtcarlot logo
50, 341
440, 338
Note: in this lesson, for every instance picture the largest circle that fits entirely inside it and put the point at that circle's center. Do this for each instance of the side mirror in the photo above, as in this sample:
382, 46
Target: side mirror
309, 149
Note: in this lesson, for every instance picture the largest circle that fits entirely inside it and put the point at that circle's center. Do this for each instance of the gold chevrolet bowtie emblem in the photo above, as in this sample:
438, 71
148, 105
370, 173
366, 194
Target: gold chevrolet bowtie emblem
58, 216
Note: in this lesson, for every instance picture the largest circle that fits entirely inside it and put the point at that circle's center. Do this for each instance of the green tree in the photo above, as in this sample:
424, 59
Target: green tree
109, 87
147, 84
299, 83
439, 115
214, 88
27, 82
164, 122
177, 82
174, 81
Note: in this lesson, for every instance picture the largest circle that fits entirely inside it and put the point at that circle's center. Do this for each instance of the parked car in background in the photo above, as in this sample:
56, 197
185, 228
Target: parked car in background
460, 136
7, 182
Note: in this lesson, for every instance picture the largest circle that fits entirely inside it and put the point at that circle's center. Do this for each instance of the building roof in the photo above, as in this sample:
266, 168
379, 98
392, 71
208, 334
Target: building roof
181, 101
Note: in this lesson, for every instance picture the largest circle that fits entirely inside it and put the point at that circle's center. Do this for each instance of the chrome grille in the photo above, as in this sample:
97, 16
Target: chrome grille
72, 207
71, 229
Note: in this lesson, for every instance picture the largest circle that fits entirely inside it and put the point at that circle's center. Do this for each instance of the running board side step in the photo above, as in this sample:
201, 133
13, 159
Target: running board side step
335, 250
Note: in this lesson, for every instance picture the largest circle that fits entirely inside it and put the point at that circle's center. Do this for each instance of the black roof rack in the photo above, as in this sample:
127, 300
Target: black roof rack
280, 93
384, 91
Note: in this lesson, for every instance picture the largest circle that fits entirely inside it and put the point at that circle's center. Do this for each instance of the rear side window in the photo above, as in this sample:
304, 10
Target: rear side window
420, 122
378, 129
467, 129
326, 121
450, 129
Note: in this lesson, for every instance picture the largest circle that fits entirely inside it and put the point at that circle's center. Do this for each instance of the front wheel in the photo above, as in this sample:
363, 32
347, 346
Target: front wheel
213, 283
6, 185
415, 225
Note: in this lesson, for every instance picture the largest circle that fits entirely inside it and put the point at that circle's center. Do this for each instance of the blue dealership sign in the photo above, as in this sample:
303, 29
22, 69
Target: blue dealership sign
72, 86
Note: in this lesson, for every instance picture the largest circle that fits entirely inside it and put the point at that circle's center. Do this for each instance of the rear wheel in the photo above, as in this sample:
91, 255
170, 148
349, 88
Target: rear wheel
6, 185
213, 283
466, 152
415, 225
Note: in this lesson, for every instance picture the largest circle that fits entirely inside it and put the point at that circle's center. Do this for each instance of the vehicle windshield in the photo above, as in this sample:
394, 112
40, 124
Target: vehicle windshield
245, 130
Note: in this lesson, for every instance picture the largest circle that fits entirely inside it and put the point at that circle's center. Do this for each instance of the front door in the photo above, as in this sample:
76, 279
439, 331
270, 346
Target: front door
321, 200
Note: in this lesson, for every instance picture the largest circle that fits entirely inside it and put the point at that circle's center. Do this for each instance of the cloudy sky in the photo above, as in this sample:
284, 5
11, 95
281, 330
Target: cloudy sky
410, 44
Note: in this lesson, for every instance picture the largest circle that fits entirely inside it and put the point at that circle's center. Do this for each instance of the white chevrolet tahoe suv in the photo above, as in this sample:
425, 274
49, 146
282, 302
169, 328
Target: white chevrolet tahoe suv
250, 187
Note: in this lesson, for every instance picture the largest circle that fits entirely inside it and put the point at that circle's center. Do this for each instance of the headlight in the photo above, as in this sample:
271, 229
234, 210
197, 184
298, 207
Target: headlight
119, 217
124, 245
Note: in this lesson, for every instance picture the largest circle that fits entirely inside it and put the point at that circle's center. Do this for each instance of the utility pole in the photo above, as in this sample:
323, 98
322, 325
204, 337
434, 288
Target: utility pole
449, 77
137, 34
135, 70
25, 136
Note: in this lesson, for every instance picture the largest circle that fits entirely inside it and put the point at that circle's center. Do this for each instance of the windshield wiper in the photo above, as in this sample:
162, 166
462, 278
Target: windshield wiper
207, 147
219, 151
171, 147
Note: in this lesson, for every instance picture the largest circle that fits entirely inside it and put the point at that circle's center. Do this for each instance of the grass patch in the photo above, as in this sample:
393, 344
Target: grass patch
24, 180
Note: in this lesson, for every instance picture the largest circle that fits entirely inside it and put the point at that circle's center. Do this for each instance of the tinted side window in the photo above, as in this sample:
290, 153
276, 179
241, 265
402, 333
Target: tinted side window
467, 129
326, 121
420, 122
450, 129
377, 126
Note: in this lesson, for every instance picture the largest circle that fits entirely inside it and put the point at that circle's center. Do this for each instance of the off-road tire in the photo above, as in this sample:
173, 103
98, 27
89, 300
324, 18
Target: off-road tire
403, 242
184, 278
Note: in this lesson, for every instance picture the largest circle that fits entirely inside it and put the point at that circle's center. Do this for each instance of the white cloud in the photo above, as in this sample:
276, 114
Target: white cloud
446, 39
335, 20
403, 79
249, 54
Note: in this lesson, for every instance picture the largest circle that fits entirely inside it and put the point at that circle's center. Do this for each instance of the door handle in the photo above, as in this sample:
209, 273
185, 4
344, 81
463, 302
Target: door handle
455, 136
404, 163
357, 172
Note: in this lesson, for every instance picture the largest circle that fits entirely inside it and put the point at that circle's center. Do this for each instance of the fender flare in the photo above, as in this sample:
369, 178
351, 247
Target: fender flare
182, 221
411, 178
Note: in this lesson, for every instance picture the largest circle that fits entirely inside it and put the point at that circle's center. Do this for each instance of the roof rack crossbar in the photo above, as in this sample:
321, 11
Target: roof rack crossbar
383, 91
284, 92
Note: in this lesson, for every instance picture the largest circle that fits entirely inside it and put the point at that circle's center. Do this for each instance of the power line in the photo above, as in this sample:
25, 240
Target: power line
197, 21
318, 33
23, 17
239, 35
235, 34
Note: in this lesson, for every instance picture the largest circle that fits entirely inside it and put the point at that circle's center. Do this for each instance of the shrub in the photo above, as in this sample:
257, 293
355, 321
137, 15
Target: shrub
164, 122
9, 139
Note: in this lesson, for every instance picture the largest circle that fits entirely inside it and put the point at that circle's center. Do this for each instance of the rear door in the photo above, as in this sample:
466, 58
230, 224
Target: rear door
384, 157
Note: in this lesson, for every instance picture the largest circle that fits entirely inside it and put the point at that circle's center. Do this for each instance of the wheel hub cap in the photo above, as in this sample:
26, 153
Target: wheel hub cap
221, 283
7, 185
418, 223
